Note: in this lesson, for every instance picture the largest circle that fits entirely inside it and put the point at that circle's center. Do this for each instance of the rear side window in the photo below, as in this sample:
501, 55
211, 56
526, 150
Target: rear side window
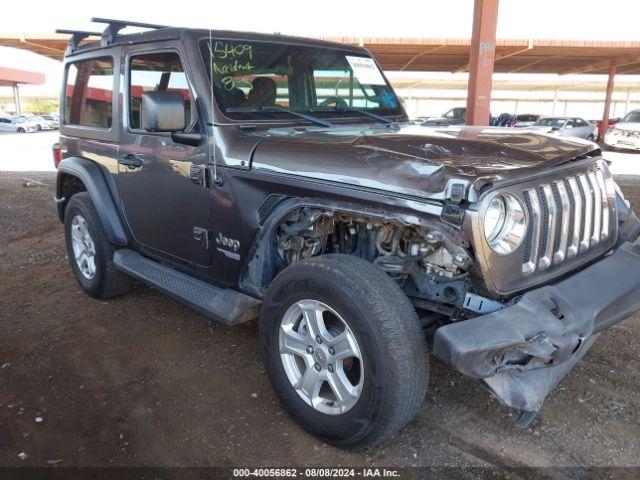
89, 96
156, 72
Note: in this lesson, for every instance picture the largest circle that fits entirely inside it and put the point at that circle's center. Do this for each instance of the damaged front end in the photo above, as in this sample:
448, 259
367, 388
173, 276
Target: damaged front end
519, 320
522, 351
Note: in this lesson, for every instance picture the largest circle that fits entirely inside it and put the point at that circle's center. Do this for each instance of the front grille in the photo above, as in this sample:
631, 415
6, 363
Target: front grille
568, 217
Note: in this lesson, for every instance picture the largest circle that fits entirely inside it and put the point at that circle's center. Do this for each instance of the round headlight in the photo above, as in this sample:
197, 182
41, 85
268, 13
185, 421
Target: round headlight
505, 224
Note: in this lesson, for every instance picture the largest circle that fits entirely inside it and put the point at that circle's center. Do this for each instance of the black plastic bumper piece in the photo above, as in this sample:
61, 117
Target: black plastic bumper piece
225, 306
521, 352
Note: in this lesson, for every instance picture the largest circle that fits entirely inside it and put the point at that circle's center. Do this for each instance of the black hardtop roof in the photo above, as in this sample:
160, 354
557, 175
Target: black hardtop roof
172, 33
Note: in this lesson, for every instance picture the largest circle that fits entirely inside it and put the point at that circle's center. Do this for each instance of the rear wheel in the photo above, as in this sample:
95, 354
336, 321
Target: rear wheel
89, 250
344, 349
591, 138
20, 130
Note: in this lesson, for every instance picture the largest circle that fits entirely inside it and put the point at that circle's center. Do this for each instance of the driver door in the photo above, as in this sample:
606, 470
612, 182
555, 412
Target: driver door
164, 204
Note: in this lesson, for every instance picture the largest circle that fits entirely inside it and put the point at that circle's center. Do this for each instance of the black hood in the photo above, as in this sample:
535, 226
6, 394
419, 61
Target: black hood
412, 159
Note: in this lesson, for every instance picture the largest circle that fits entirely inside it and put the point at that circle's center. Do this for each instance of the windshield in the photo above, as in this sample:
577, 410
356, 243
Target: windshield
632, 117
527, 118
250, 75
552, 122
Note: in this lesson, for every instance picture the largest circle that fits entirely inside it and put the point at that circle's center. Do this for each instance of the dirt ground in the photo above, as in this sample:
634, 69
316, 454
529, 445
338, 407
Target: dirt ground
143, 380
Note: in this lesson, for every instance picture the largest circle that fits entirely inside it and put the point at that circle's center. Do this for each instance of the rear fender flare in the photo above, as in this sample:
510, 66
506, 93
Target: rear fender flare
95, 182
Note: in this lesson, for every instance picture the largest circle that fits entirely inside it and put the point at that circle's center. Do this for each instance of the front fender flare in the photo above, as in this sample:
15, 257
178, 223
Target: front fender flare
94, 180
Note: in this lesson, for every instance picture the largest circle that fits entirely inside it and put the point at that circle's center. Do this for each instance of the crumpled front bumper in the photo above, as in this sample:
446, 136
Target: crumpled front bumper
522, 351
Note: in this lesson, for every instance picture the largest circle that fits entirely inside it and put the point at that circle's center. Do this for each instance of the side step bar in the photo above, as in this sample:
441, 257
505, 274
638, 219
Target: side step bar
223, 305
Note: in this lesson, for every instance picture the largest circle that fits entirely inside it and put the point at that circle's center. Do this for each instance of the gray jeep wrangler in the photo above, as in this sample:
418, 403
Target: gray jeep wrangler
263, 176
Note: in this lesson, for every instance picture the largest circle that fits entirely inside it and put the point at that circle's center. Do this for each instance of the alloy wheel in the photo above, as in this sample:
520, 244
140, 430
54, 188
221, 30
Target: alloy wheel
321, 357
84, 250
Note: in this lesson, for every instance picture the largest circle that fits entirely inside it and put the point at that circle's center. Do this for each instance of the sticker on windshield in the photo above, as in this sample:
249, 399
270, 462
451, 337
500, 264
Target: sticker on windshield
366, 70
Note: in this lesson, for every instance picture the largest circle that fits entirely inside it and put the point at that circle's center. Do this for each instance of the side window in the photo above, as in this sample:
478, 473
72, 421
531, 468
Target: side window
89, 95
156, 72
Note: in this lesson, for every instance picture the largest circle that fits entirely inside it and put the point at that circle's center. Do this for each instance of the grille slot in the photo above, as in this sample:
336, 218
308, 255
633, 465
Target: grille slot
567, 217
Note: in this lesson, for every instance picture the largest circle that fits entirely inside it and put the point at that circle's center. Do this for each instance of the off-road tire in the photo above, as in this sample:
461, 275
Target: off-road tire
389, 335
107, 282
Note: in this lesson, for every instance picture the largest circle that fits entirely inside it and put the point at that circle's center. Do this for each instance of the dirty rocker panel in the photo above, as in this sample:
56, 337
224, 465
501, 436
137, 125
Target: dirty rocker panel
226, 306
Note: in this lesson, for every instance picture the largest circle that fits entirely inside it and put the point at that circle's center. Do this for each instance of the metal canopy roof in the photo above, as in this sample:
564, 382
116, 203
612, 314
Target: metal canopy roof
12, 76
512, 56
442, 55
50, 45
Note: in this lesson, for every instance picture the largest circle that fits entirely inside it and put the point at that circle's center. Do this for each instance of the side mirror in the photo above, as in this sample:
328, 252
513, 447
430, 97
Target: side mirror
163, 112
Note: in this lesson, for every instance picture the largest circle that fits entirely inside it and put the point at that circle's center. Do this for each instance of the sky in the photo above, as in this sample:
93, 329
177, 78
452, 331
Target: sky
548, 19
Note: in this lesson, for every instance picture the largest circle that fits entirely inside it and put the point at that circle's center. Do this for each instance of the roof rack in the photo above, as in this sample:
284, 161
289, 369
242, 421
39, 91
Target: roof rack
109, 34
114, 26
76, 37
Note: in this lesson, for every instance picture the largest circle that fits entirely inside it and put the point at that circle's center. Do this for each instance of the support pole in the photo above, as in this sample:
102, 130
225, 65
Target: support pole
482, 55
555, 101
627, 103
16, 99
607, 99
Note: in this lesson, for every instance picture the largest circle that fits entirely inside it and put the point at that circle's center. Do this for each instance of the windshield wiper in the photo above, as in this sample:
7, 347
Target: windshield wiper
276, 108
352, 109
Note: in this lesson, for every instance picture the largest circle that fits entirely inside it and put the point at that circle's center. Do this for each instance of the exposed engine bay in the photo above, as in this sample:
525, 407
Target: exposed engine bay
429, 263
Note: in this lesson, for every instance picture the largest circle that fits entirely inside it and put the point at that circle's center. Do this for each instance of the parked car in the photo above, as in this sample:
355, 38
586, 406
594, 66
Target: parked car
626, 133
453, 116
504, 120
39, 122
300, 193
8, 124
53, 120
598, 123
526, 119
567, 127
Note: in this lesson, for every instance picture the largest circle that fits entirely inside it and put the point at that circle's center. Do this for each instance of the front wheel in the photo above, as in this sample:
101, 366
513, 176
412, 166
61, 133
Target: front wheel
344, 349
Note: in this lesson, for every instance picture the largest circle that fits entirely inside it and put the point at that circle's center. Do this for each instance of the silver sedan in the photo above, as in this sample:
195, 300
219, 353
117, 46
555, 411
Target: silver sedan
567, 127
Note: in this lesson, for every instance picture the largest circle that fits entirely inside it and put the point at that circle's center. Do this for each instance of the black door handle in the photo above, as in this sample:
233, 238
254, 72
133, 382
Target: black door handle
131, 160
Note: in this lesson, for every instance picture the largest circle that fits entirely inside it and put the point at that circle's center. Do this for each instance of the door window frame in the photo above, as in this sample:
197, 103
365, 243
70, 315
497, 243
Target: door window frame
126, 120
